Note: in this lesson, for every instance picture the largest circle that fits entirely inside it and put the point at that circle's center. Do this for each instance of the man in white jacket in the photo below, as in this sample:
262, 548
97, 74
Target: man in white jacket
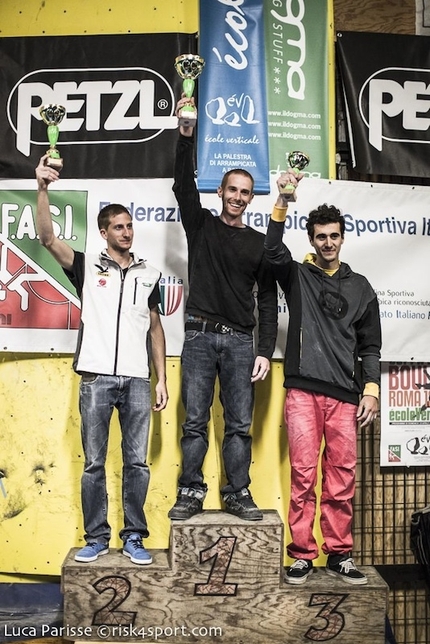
120, 334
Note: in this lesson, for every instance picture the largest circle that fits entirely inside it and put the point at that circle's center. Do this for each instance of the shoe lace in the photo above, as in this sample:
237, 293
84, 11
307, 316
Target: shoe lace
187, 493
136, 543
189, 502
300, 564
242, 495
347, 565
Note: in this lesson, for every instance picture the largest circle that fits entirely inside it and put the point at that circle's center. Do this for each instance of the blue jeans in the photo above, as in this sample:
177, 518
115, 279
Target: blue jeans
231, 357
97, 398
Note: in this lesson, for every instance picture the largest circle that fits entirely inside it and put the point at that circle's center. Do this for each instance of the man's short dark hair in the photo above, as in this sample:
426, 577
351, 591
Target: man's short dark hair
244, 173
106, 214
325, 215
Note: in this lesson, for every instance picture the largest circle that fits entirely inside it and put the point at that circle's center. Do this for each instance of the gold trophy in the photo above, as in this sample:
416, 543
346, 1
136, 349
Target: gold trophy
52, 115
297, 161
189, 67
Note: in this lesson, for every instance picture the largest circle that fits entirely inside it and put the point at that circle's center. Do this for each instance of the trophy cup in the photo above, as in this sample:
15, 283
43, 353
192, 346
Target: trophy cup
189, 67
52, 115
297, 161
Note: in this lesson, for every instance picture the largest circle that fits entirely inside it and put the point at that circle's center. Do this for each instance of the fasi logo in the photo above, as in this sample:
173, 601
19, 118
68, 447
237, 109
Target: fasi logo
394, 453
103, 105
394, 103
172, 293
34, 290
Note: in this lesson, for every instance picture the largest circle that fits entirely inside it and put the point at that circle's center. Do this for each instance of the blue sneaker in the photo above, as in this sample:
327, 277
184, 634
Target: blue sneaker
133, 548
91, 551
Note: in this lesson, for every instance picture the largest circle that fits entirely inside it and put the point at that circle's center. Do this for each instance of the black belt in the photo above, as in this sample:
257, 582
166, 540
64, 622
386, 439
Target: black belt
207, 326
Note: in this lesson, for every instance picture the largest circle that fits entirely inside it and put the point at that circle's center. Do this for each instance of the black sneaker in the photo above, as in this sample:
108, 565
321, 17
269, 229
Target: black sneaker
242, 505
343, 566
299, 571
188, 503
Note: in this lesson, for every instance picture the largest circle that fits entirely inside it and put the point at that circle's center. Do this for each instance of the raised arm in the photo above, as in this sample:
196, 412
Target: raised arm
274, 249
58, 248
184, 185
278, 255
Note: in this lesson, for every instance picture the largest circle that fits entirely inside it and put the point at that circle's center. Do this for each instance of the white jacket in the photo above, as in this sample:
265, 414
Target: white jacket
115, 315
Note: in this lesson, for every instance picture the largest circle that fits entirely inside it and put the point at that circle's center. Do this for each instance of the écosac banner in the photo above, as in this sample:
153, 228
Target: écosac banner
385, 80
298, 42
232, 120
119, 93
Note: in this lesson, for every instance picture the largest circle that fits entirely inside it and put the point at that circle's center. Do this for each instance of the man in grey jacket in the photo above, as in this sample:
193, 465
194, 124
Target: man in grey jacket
334, 321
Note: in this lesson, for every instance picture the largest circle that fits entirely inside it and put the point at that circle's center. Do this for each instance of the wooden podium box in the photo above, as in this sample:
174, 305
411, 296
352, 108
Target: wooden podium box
222, 580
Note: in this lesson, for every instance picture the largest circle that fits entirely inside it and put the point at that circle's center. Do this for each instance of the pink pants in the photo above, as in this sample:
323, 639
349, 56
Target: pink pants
309, 417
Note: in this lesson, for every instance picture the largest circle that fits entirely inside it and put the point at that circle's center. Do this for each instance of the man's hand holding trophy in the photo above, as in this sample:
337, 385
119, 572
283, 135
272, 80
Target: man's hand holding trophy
288, 181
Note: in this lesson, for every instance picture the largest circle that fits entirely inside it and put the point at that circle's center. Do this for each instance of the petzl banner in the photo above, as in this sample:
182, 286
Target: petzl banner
385, 81
232, 120
299, 82
119, 93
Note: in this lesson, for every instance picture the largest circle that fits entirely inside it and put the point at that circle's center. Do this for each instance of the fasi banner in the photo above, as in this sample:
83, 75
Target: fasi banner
39, 307
385, 79
232, 119
35, 294
119, 93
39, 310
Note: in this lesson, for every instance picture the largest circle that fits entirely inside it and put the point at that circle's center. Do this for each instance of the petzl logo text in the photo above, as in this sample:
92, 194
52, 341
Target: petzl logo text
394, 104
105, 105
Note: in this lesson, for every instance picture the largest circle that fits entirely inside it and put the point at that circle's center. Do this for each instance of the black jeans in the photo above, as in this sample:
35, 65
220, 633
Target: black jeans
231, 357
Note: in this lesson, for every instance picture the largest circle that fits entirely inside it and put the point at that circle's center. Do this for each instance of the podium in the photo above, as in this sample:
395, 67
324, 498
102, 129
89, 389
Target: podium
221, 580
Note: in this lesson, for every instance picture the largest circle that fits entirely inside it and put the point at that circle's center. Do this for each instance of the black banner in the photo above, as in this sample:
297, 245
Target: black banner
385, 79
119, 92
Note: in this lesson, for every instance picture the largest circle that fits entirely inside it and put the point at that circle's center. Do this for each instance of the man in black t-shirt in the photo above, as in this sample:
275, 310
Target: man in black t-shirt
225, 262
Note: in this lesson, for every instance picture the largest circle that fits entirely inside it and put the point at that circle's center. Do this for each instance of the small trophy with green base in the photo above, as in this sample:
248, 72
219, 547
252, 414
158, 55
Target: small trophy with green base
52, 115
189, 67
297, 161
